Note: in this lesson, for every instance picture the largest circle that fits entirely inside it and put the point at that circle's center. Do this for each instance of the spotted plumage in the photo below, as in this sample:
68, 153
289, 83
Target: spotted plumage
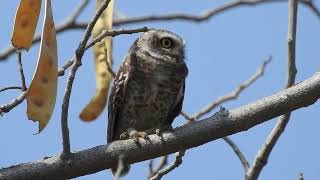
148, 89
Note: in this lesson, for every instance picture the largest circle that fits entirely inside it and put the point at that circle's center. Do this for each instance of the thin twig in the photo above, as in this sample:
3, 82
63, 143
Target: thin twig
152, 171
235, 93
187, 116
120, 167
301, 176
240, 155
77, 63
112, 33
10, 87
172, 166
76, 13
263, 154
69, 23
310, 4
208, 14
15, 102
23, 79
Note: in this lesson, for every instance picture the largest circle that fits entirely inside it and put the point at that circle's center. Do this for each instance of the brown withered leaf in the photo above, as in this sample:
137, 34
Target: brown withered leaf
41, 95
25, 23
102, 58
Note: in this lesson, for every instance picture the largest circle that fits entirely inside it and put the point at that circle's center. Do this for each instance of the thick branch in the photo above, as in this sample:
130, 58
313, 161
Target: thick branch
191, 135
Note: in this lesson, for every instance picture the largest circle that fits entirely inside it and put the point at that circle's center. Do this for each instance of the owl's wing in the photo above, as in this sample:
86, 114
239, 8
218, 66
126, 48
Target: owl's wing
178, 105
117, 97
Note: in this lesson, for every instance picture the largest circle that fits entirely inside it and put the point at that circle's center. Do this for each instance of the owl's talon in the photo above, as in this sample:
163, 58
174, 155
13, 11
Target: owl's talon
124, 136
158, 132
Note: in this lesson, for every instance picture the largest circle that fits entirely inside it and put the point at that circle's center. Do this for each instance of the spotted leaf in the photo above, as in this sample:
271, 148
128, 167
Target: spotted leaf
25, 23
41, 95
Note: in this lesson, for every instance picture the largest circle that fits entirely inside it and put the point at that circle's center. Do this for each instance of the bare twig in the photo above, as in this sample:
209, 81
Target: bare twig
72, 25
241, 157
15, 102
187, 116
195, 18
235, 93
10, 87
194, 134
23, 79
172, 166
152, 171
77, 63
119, 168
76, 13
112, 33
310, 4
301, 176
262, 156
69, 23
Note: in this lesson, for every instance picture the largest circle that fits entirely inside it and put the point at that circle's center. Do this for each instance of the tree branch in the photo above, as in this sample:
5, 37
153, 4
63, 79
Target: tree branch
262, 156
20, 67
163, 161
77, 63
206, 15
103, 34
241, 157
15, 102
235, 93
177, 162
222, 124
69, 23
10, 87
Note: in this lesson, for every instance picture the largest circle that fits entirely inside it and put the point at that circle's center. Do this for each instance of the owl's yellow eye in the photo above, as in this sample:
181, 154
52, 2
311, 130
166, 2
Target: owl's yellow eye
166, 43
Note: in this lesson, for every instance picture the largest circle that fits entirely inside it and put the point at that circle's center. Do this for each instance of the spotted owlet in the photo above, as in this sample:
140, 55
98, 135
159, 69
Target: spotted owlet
148, 89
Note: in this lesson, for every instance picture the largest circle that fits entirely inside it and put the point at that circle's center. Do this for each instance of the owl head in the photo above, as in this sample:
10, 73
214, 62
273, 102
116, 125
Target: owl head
161, 44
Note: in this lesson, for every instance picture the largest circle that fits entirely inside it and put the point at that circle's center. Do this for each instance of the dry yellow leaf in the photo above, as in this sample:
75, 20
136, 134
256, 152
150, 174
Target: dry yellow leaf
25, 23
41, 95
101, 60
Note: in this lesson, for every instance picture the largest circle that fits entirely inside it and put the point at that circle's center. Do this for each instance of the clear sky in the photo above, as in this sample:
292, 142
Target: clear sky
221, 53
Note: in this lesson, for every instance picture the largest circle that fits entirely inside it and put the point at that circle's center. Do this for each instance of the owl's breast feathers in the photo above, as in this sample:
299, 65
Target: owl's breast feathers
147, 93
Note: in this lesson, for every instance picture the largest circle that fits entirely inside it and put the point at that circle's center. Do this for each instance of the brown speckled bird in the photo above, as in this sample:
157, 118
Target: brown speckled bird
148, 89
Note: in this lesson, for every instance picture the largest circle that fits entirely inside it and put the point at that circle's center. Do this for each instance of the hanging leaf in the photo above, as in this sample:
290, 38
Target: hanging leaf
25, 23
41, 95
102, 59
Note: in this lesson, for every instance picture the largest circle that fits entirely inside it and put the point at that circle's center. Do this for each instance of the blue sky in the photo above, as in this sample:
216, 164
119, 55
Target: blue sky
221, 53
